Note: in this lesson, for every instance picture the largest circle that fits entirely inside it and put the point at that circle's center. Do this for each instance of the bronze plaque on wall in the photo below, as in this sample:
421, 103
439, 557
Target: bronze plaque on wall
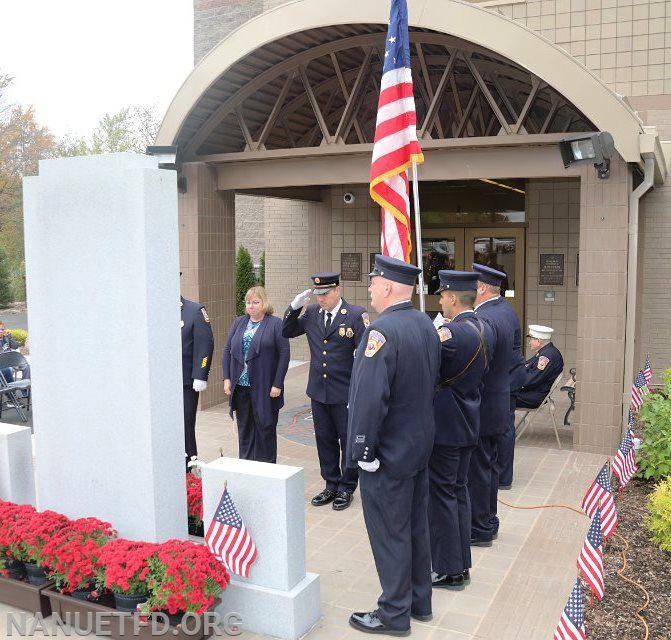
551, 269
350, 267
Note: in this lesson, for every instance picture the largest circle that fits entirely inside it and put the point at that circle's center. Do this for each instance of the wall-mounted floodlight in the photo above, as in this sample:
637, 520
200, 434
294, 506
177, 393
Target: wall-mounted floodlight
167, 156
597, 148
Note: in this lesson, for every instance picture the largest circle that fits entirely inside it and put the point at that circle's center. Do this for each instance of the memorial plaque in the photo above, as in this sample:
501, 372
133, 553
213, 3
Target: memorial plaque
350, 267
551, 269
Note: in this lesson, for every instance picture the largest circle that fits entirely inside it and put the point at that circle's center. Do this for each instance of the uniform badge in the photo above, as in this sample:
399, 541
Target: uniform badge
341, 332
444, 334
543, 362
181, 323
205, 315
359, 439
317, 280
365, 318
349, 333
375, 342
343, 311
203, 364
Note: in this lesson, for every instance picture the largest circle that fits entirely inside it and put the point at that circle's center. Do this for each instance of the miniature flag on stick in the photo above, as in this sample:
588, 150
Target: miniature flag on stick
638, 390
600, 495
572, 622
590, 560
647, 369
624, 462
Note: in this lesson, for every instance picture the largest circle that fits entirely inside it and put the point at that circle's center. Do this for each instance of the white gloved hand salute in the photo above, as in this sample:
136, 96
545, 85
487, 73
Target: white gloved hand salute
300, 300
199, 385
371, 467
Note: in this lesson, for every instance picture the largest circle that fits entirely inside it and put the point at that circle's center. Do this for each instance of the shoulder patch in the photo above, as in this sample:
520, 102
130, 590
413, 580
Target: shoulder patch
375, 342
444, 334
365, 318
205, 316
543, 362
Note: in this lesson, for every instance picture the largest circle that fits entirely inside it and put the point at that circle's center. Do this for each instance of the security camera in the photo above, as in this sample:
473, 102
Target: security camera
348, 198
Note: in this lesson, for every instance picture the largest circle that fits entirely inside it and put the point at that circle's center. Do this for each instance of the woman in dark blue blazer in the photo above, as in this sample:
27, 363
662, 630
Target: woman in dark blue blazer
255, 362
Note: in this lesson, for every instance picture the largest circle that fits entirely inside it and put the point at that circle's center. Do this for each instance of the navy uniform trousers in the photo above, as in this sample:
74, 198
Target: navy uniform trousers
190, 407
330, 422
395, 512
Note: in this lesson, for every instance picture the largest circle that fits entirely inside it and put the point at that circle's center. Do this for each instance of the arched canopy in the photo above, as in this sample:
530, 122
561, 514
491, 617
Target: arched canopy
299, 76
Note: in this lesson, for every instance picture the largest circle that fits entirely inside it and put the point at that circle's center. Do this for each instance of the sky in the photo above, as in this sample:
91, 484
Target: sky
75, 60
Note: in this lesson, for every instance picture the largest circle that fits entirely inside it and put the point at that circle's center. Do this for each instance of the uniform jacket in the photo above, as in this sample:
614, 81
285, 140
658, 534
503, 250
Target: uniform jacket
197, 342
7, 343
541, 374
457, 404
495, 402
332, 352
391, 396
267, 364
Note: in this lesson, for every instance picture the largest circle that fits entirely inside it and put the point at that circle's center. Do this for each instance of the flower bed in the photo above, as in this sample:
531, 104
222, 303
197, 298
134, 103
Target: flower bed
194, 503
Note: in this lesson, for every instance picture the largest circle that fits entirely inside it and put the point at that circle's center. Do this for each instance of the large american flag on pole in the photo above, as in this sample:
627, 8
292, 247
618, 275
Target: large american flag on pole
638, 390
395, 146
228, 539
590, 560
572, 622
600, 495
647, 369
624, 463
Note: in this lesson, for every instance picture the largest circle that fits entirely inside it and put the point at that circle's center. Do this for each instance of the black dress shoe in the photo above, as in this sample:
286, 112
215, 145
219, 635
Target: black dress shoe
477, 541
454, 582
421, 617
342, 500
467, 576
323, 498
505, 487
368, 622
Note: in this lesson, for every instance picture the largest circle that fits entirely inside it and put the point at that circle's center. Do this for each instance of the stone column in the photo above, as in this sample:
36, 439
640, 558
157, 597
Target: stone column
602, 295
17, 482
103, 286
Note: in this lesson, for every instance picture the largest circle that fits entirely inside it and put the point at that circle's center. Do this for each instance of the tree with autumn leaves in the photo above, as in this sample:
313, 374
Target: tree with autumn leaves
24, 142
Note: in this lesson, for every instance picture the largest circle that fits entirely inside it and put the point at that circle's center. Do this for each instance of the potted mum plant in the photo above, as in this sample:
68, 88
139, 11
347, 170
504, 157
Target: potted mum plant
194, 504
72, 557
12, 566
125, 571
183, 577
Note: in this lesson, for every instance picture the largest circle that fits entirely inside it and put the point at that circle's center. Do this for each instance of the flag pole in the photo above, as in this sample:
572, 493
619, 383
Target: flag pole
418, 234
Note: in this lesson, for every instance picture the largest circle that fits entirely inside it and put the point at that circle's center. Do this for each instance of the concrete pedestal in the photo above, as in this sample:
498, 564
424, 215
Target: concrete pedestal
278, 598
17, 481
103, 291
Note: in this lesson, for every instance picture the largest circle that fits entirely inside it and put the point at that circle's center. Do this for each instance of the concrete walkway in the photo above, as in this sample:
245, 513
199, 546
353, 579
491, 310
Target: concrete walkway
519, 585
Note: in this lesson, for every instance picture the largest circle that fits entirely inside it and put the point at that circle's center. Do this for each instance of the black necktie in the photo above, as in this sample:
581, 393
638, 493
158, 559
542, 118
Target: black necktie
328, 320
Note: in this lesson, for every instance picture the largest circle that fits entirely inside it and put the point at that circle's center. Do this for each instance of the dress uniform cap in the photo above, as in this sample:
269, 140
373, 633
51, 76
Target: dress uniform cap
540, 332
324, 282
394, 269
488, 275
457, 280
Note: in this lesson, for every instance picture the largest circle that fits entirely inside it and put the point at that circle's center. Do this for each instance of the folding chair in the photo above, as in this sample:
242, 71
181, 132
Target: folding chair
530, 414
12, 390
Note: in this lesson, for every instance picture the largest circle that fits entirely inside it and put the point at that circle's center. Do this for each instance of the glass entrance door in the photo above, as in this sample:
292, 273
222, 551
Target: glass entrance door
441, 249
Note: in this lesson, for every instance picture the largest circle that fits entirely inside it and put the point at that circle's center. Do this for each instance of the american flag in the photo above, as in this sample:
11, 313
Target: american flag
590, 560
600, 495
624, 462
647, 369
395, 147
228, 540
638, 390
572, 622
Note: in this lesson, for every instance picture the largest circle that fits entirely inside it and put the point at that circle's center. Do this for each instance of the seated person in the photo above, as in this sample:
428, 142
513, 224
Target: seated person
542, 368
7, 343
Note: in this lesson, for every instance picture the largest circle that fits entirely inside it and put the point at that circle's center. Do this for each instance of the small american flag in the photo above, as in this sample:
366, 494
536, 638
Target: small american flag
228, 540
572, 622
395, 146
624, 462
647, 369
638, 390
590, 560
600, 494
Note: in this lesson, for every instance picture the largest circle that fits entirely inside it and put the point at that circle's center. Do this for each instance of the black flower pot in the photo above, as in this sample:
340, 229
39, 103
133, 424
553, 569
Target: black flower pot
174, 618
16, 570
36, 574
125, 602
196, 528
82, 594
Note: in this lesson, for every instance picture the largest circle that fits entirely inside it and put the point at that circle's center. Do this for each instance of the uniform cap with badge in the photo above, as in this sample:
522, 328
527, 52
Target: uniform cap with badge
540, 332
325, 282
451, 280
395, 270
488, 275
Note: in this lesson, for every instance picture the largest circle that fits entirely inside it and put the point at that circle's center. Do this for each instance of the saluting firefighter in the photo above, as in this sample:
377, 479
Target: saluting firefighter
333, 328
542, 368
197, 349
390, 437
465, 342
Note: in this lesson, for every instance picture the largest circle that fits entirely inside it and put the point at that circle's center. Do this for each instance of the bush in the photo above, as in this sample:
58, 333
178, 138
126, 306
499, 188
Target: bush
20, 335
659, 520
655, 414
6, 295
245, 279
262, 270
